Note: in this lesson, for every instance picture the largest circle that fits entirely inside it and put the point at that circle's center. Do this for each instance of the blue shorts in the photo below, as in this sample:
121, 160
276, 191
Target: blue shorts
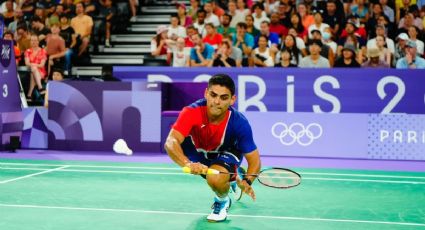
228, 160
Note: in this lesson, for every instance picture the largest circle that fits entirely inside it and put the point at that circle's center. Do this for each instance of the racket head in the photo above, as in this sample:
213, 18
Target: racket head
279, 178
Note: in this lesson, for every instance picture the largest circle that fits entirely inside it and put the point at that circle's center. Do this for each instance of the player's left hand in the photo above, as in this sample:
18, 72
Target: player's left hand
246, 188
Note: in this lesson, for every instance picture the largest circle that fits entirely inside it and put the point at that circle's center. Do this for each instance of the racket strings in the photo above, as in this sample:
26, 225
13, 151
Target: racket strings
279, 178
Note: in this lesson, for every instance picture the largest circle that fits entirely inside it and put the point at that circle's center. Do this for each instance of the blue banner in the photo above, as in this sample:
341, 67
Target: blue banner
305, 90
9, 87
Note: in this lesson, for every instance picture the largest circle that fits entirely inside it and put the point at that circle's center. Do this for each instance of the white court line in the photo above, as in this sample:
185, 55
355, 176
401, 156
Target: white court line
204, 214
34, 174
184, 174
179, 169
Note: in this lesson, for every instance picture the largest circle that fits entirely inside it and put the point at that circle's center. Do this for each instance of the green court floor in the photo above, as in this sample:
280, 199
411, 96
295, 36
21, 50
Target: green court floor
109, 196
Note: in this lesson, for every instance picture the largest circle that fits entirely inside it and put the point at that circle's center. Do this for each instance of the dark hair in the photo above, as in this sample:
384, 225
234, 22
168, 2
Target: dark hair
228, 15
299, 27
223, 80
37, 19
8, 32
201, 11
242, 25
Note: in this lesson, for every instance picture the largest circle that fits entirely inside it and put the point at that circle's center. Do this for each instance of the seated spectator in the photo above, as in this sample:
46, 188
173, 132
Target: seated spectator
158, 43
184, 19
284, 11
388, 11
404, 7
18, 20
298, 26
314, 60
377, 11
181, 54
249, 19
213, 38
400, 48
259, 15
195, 6
411, 60
408, 21
217, 10
271, 6
290, 44
348, 58
285, 59
35, 59
200, 22
201, 54
384, 53
235, 52
40, 30
380, 30
263, 56
8, 36
326, 51
244, 41
318, 24
210, 16
373, 60
225, 29
223, 58
57, 75
90, 8
82, 25
276, 26
23, 39
413, 34
361, 10
272, 38
352, 38
236, 15
306, 18
8, 14
188, 40
55, 48
333, 17
243, 8
327, 40
299, 41
175, 30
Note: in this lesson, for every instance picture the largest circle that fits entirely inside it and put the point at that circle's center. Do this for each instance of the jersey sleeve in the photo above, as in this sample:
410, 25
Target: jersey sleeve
185, 121
245, 137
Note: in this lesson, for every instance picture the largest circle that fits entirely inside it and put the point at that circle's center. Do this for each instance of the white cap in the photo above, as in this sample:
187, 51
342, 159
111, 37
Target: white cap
403, 36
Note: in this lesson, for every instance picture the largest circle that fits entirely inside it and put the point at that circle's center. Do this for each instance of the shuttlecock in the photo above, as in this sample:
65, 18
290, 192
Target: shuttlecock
120, 147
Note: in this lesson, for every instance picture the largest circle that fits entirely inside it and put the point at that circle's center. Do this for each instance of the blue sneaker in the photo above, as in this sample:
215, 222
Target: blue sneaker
219, 210
234, 188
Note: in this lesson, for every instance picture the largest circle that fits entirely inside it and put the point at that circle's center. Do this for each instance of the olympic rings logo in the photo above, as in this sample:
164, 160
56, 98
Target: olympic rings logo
297, 132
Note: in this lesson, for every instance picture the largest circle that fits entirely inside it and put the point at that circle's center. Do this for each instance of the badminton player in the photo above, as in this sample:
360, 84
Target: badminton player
210, 133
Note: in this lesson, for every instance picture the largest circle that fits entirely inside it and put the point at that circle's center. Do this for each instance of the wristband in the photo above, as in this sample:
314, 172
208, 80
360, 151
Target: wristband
248, 181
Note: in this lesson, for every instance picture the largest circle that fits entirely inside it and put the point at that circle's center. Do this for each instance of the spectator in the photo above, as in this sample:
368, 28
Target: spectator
90, 8
216, 9
271, 6
69, 7
373, 60
380, 31
333, 18
242, 8
28, 8
325, 50
223, 58
35, 59
276, 26
348, 58
200, 22
57, 75
404, 8
181, 55
210, 16
235, 52
388, 11
352, 38
361, 10
213, 38
272, 38
318, 24
158, 43
285, 11
82, 25
175, 30
107, 12
263, 56
411, 60
314, 60
306, 18
290, 44
55, 48
225, 29
244, 41
8, 36
400, 48
327, 40
8, 14
236, 15
188, 40
384, 53
54, 17
407, 21
133, 9
413, 34
298, 26
250, 28
300, 44
40, 30
184, 19
285, 59
259, 15
23, 39
193, 9
201, 54
67, 33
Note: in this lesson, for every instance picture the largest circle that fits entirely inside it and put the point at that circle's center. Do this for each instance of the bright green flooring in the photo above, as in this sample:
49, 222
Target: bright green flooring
125, 196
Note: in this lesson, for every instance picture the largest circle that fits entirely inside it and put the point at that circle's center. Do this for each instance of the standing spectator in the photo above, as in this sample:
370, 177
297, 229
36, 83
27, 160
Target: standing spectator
413, 34
213, 38
35, 59
263, 56
210, 16
133, 9
244, 41
373, 60
318, 24
314, 60
259, 15
225, 29
201, 54
55, 48
348, 58
276, 26
411, 60
175, 30
107, 12
184, 19
82, 25
223, 58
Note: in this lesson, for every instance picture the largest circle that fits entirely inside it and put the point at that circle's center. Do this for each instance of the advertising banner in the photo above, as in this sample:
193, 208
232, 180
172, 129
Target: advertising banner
305, 90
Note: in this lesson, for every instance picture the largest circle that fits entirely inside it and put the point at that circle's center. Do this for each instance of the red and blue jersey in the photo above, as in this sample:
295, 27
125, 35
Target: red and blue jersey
233, 134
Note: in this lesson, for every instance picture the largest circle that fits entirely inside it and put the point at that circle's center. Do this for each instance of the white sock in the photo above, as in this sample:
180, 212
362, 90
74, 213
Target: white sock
221, 199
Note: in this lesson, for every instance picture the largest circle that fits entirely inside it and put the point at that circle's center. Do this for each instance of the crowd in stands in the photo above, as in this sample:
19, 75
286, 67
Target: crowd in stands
55, 34
294, 33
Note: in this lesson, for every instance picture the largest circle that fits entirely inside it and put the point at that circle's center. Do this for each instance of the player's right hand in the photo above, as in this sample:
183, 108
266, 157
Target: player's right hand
197, 168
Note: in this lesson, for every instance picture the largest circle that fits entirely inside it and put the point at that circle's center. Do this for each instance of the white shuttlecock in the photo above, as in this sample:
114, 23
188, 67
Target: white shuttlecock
120, 147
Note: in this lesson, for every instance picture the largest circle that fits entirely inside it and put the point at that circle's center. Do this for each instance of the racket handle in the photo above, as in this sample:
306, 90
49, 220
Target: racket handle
209, 171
